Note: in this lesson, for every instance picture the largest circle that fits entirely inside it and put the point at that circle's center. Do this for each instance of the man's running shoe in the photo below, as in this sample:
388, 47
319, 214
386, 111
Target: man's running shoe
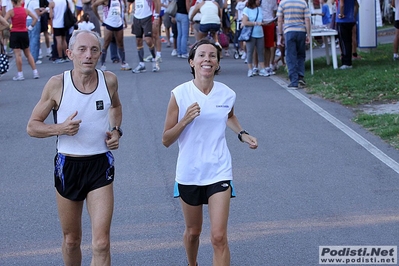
59, 61
125, 67
139, 69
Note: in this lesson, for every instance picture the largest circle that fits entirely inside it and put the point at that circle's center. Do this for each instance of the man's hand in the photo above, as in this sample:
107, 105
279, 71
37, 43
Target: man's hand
70, 127
112, 140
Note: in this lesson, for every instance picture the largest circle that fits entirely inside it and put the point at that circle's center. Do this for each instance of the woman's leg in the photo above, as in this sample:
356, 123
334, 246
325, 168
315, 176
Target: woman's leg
193, 219
219, 207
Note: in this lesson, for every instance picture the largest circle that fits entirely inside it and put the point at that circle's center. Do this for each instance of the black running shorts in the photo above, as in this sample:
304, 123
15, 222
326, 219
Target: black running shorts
197, 195
75, 177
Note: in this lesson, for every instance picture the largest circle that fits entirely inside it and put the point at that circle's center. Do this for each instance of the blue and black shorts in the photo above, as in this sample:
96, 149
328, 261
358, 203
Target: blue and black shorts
75, 177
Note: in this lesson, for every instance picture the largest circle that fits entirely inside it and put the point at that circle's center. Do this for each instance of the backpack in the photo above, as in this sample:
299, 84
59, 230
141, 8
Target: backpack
223, 39
69, 18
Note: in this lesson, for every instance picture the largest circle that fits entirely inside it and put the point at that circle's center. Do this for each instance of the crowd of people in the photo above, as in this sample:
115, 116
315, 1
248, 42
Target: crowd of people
109, 18
272, 21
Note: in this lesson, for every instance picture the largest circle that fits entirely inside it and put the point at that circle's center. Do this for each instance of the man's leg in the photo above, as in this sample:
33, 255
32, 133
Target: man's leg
219, 206
61, 45
70, 213
100, 205
301, 57
191, 237
291, 57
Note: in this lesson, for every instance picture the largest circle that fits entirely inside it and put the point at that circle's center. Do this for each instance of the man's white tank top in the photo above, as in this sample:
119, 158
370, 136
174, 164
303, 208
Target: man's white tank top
112, 14
92, 110
59, 10
143, 8
204, 157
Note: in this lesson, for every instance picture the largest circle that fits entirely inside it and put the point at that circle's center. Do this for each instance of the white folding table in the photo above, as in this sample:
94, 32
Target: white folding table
325, 33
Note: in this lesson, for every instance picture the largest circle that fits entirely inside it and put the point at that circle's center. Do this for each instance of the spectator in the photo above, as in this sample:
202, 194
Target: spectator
19, 38
269, 10
325, 17
44, 20
88, 9
6, 5
57, 10
142, 27
183, 6
346, 19
85, 24
294, 21
34, 34
252, 17
113, 25
240, 5
210, 18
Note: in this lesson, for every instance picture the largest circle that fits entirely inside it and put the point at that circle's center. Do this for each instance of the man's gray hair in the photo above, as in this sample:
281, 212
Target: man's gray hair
75, 34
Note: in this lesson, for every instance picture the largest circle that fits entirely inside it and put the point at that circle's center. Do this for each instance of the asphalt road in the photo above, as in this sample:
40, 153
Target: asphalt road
317, 179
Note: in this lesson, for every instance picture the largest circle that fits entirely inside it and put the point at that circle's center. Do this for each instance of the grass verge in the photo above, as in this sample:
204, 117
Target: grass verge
373, 80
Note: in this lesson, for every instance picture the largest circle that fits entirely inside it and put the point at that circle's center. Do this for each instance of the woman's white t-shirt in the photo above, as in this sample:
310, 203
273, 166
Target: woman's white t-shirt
204, 157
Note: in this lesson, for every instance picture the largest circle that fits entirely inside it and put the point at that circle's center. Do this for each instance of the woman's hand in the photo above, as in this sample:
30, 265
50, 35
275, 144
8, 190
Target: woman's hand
192, 112
250, 140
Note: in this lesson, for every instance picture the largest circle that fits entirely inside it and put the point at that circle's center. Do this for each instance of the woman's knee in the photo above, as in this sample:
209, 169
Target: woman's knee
219, 238
193, 233
101, 245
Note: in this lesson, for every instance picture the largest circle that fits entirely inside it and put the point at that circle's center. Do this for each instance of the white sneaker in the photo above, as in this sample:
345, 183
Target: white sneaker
269, 71
18, 78
263, 72
250, 73
36, 74
139, 69
158, 59
155, 66
174, 52
345, 67
244, 56
38, 62
48, 52
125, 67
255, 71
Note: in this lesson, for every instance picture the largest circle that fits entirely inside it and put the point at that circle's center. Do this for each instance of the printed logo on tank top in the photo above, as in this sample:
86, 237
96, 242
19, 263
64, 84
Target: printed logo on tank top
222, 106
100, 105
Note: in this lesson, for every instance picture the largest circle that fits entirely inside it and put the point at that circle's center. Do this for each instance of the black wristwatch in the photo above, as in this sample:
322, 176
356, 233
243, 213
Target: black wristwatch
240, 134
118, 129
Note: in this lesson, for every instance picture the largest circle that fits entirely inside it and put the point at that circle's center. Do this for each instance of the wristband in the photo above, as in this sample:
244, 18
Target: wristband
240, 134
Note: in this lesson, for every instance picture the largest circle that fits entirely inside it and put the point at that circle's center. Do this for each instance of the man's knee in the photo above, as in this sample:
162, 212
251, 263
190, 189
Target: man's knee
72, 242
